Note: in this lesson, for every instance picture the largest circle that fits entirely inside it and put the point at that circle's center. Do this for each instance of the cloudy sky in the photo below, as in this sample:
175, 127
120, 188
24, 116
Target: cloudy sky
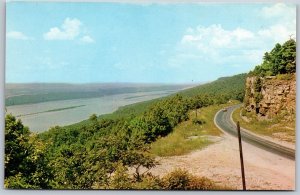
165, 43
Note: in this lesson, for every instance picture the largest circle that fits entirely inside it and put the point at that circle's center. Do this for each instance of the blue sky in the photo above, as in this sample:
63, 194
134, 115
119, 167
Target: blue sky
149, 43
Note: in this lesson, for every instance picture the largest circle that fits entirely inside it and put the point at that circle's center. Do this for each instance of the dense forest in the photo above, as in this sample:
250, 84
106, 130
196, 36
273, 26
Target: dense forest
280, 60
223, 88
108, 152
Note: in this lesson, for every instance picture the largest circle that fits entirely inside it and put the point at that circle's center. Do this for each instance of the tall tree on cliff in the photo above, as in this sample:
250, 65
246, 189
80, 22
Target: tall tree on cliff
281, 60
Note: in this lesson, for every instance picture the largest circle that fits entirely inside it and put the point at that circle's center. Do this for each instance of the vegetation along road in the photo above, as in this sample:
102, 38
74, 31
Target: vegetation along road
225, 124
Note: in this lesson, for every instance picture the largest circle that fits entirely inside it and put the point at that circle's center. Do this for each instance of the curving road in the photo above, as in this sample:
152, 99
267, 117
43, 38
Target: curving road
224, 123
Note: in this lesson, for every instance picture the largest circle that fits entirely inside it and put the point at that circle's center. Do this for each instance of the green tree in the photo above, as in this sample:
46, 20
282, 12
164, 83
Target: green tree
275, 56
26, 162
17, 147
289, 56
120, 179
280, 60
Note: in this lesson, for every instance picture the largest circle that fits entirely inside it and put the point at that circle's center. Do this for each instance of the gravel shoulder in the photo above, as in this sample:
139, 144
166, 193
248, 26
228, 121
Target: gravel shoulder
274, 139
220, 162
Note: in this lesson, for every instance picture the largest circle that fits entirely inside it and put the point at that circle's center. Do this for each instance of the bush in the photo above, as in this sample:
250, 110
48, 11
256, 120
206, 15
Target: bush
18, 182
197, 121
149, 182
176, 180
182, 180
120, 179
284, 76
201, 183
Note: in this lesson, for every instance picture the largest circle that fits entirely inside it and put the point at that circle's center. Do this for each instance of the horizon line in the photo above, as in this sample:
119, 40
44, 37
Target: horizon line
83, 83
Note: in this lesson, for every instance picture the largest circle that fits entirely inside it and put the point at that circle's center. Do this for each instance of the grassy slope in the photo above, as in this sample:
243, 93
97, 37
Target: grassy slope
276, 128
188, 136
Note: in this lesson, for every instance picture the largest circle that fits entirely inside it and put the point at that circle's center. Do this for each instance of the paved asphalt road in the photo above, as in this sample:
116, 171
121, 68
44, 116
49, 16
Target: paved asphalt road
224, 123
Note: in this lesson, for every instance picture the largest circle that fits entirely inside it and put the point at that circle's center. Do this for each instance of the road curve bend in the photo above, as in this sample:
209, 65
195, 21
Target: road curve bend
223, 121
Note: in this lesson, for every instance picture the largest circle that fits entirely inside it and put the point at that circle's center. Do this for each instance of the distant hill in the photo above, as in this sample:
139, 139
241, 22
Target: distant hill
18, 94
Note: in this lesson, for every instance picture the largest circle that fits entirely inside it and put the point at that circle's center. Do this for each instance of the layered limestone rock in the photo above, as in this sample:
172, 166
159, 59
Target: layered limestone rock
270, 96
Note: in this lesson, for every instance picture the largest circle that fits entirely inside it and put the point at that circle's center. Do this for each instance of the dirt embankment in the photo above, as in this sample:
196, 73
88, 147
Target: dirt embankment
221, 163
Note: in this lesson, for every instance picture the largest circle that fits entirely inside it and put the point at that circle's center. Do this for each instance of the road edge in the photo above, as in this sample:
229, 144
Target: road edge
224, 132
257, 135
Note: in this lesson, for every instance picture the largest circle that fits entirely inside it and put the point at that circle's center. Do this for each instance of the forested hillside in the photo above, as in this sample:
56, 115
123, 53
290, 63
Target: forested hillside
97, 153
224, 87
218, 91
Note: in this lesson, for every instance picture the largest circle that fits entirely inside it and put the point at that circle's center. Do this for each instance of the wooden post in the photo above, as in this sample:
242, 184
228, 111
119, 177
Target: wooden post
241, 155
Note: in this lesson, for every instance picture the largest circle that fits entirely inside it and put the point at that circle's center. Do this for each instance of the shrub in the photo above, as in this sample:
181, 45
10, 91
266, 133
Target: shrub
18, 182
149, 182
284, 76
177, 180
182, 180
197, 121
120, 179
201, 183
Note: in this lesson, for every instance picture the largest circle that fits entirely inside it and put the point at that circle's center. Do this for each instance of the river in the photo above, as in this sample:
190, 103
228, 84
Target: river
41, 116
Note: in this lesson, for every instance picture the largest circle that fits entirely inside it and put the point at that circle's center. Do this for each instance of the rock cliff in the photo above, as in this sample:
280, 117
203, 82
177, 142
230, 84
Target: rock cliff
270, 96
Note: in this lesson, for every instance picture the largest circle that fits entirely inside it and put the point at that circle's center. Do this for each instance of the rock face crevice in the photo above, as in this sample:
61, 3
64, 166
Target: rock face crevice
270, 96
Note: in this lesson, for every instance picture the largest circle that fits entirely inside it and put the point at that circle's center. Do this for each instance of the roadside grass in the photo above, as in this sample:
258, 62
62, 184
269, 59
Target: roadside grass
276, 128
188, 136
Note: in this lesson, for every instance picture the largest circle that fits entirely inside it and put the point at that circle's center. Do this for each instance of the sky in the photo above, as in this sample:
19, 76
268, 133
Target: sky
142, 43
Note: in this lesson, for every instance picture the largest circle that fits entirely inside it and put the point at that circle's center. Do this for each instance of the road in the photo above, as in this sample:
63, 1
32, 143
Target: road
225, 124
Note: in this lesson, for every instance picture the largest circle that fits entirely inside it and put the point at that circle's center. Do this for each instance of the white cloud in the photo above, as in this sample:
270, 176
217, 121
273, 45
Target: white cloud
283, 18
69, 30
280, 10
277, 32
87, 39
215, 36
17, 35
217, 46
242, 34
190, 38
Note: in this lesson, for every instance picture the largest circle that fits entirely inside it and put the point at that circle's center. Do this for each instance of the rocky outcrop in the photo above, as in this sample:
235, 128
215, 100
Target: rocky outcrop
270, 96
